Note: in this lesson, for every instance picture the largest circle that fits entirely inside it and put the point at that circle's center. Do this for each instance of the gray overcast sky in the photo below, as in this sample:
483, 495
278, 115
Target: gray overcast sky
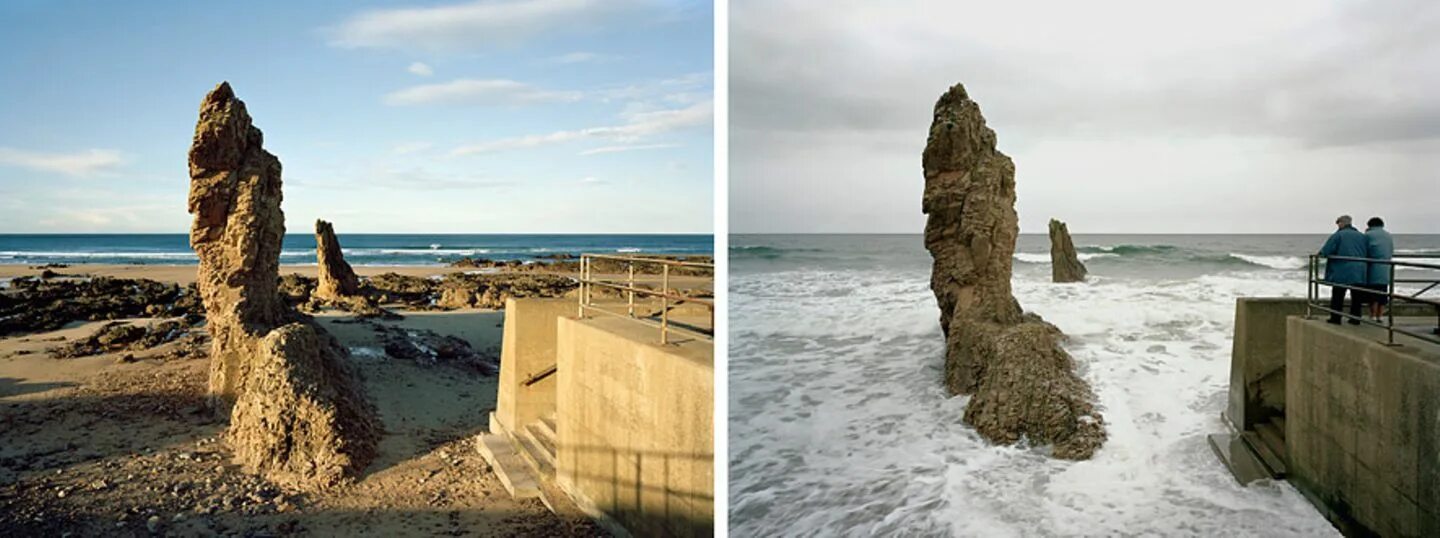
1122, 117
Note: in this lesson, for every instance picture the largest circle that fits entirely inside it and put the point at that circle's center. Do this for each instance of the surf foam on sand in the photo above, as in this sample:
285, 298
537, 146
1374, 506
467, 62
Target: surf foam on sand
840, 424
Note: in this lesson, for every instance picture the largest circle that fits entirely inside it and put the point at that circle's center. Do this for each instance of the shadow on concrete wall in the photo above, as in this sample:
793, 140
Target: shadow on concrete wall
652, 505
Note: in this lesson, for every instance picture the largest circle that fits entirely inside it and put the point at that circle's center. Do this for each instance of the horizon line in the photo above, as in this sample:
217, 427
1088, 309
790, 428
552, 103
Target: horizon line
1080, 233
376, 233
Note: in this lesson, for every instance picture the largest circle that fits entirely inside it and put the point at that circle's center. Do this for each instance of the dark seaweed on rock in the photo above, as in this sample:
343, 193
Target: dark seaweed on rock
36, 305
428, 348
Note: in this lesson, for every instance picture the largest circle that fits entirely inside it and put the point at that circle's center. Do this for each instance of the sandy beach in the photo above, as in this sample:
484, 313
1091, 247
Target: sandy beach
120, 443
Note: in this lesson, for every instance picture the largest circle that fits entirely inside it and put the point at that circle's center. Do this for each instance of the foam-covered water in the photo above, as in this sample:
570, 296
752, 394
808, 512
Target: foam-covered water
359, 249
840, 424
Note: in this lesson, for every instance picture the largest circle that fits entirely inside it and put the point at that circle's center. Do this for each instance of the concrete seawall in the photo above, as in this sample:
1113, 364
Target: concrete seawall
636, 426
1257, 359
1363, 427
528, 348
1353, 423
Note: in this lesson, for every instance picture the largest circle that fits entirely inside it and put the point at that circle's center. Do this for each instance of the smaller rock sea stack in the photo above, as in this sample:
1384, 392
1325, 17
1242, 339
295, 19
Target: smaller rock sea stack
1065, 265
337, 280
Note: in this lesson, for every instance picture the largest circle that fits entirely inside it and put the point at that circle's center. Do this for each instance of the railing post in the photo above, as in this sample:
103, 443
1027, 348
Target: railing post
665, 304
631, 288
1310, 287
1390, 304
584, 261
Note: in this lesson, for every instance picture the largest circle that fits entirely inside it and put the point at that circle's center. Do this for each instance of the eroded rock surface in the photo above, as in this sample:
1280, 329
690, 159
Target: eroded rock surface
1023, 383
337, 280
299, 415
301, 421
1065, 264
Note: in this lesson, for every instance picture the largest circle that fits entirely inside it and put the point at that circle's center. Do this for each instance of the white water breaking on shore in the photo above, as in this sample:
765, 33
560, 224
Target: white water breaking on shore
840, 424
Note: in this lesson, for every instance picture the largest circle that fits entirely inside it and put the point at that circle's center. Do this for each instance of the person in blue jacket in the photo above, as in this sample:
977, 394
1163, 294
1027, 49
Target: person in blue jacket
1380, 246
1350, 243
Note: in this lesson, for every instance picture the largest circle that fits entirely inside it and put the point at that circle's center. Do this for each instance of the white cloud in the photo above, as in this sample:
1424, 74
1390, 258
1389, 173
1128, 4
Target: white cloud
79, 164
421, 69
633, 147
689, 84
592, 180
399, 178
639, 126
475, 25
582, 57
478, 92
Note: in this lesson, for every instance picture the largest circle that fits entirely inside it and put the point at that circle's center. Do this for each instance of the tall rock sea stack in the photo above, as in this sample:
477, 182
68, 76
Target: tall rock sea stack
1065, 265
297, 411
1023, 383
337, 280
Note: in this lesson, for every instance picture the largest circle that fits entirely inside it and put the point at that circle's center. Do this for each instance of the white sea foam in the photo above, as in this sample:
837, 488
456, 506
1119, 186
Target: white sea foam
840, 424
367, 354
1273, 262
1034, 257
415, 251
628, 249
55, 254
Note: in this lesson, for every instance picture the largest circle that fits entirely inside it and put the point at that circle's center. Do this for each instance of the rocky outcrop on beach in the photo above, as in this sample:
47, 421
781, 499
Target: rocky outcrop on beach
119, 336
337, 280
461, 290
429, 348
299, 414
1065, 265
1022, 382
33, 305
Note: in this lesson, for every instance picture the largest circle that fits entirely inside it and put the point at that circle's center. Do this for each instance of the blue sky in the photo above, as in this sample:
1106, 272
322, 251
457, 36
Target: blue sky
499, 116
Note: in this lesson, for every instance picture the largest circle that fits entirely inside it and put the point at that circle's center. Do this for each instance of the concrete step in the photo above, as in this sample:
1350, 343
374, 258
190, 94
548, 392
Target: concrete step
1269, 455
1237, 456
541, 461
1273, 435
512, 470
549, 421
1279, 423
546, 436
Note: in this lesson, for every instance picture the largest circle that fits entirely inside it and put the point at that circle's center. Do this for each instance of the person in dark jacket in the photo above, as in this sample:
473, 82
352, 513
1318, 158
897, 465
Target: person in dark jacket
1350, 243
1380, 246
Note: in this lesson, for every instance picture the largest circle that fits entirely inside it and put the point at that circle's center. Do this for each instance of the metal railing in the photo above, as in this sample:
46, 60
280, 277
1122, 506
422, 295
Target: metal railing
669, 299
1359, 293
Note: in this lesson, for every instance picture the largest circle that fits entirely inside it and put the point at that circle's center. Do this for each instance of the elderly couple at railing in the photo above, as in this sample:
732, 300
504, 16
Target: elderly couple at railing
1347, 242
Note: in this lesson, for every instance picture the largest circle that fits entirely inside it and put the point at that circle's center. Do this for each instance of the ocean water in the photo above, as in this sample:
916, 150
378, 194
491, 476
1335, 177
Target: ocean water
359, 249
840, 424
